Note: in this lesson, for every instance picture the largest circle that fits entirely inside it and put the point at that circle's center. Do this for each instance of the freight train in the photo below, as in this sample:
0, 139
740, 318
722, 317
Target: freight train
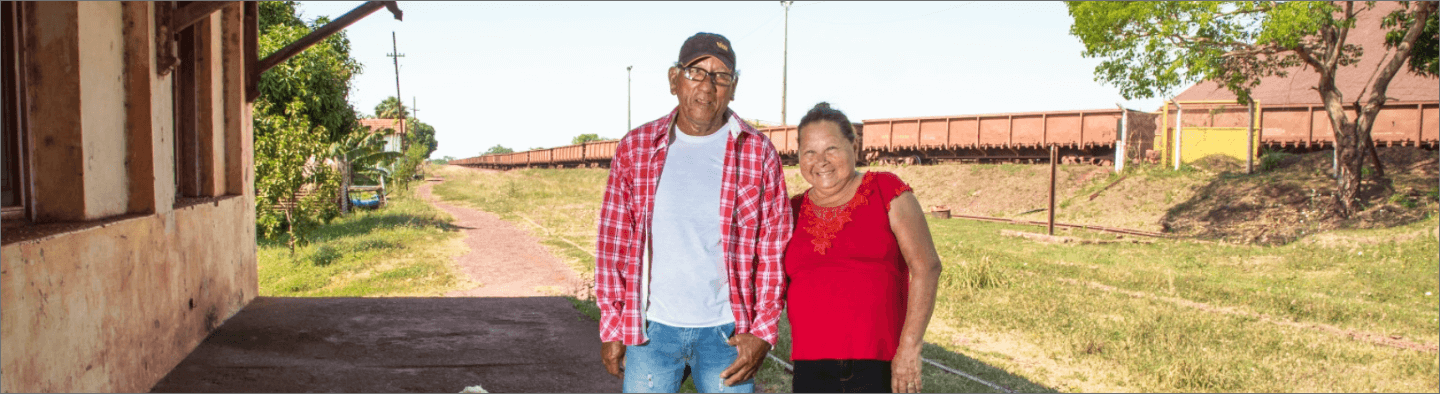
1087, 136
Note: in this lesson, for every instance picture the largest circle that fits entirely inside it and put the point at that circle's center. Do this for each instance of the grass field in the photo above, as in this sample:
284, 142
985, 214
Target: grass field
1169, 315
405, 249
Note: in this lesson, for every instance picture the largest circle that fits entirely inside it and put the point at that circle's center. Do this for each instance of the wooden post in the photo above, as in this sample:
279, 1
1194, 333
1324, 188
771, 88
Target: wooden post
1054, 155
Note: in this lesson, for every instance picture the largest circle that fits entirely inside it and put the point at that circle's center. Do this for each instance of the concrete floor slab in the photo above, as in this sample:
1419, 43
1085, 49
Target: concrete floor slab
526, 344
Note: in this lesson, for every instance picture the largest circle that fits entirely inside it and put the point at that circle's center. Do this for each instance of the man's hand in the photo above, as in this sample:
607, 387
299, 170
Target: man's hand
752, 351
905, 370
613, 354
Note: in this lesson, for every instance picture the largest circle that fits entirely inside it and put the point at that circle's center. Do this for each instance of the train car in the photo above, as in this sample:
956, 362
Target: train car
569, 155
1307, 126
599, 153
1088, 136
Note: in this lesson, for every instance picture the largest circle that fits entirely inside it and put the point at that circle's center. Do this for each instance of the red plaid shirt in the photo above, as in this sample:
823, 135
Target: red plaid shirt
755, 224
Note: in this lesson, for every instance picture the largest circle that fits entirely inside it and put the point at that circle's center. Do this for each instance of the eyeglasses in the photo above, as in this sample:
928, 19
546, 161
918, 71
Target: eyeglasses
698, 74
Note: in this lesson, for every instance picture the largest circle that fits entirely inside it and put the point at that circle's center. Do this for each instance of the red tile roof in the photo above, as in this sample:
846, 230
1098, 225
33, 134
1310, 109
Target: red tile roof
381, 124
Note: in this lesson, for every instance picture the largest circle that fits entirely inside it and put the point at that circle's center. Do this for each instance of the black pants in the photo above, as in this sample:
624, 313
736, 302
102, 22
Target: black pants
842, 376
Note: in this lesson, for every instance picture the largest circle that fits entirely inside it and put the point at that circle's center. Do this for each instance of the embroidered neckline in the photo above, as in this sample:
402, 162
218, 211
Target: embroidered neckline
824, 222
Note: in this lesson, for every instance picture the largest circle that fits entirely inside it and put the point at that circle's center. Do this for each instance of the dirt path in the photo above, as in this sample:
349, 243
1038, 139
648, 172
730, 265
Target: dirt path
505, 260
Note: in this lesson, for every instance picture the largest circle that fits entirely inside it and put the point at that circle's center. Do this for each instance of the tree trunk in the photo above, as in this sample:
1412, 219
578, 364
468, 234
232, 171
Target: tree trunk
1350, 158
290, 221
345, 179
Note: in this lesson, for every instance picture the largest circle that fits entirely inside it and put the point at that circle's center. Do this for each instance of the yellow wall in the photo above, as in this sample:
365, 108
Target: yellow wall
1199, 142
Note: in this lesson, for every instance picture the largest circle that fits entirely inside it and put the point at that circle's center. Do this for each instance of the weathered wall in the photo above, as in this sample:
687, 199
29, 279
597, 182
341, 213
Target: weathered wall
113, 303
102, 67
114, 308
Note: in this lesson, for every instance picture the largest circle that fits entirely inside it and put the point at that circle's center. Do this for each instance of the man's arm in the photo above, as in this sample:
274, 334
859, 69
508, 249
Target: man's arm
774, 233
615, 229
775, 230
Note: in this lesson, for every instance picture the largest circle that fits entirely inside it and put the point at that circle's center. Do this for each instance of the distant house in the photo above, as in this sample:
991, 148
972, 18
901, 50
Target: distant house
392, 129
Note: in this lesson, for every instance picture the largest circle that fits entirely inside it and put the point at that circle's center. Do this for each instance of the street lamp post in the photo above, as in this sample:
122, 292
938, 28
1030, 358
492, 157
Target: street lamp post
627, 98
785, 65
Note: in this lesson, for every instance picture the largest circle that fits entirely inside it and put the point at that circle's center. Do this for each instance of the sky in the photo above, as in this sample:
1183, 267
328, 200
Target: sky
536, 74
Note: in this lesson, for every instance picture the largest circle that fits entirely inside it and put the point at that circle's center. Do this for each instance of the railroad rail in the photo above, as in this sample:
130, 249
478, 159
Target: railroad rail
1065, 225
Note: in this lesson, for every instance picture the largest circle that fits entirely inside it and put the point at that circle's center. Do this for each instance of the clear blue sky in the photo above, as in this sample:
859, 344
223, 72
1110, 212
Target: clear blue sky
536, 74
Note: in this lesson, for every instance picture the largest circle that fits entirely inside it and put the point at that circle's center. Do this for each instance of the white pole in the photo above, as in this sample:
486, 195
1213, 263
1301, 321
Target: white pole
1120, 147
1179, 113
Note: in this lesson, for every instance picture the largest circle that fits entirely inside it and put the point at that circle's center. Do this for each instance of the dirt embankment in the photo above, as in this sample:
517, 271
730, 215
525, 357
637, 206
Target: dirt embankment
1295, 197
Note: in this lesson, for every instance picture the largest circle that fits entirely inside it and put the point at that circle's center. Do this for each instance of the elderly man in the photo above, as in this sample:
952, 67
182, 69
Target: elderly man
694, 221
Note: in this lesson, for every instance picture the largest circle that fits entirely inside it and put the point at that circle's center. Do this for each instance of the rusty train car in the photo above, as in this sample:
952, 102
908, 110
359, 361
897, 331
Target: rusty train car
1086, 136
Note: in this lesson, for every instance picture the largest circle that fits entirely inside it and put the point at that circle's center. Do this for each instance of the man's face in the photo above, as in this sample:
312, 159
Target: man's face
704, 102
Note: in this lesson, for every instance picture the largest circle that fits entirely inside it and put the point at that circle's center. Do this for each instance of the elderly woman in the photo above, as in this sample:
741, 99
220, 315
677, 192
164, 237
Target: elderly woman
862, 269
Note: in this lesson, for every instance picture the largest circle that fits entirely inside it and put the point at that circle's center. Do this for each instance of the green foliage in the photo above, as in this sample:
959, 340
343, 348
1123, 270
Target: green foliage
583, 138
405, 249
443, 160
287, 162
1273, 159
387, 108
1151, 48
319, 77
301, 112
408, 167
497, 149
1423, 55
420, 133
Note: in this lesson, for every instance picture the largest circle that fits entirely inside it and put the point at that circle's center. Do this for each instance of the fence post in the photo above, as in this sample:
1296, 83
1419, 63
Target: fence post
1054, 154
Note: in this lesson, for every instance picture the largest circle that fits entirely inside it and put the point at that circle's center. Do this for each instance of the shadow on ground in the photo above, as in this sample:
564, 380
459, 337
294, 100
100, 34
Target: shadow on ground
530, 344
937, 380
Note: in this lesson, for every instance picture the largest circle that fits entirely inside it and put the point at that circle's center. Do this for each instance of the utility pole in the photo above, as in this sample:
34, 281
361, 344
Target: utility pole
627, 98
399, 104
414, 107
785, 65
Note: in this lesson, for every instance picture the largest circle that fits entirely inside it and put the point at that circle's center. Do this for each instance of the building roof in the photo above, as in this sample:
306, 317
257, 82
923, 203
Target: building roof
1297, 88
382, 124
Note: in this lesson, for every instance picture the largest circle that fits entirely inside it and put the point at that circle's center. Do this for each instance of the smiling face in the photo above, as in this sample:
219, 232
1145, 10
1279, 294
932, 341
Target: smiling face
702, 103
827, 158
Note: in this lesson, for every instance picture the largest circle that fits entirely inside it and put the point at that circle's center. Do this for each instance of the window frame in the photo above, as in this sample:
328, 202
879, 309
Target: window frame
15, 135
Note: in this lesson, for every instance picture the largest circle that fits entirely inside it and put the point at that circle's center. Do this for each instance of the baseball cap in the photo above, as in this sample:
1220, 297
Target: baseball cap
707, 44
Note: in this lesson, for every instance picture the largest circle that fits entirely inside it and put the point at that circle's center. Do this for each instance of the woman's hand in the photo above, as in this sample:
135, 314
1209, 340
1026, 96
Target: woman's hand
905, 370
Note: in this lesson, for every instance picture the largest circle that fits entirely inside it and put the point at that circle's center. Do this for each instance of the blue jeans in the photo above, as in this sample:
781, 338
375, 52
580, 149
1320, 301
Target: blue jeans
659, 365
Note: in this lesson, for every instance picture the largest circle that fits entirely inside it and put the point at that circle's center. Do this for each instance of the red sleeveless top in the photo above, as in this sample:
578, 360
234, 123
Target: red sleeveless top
848, 282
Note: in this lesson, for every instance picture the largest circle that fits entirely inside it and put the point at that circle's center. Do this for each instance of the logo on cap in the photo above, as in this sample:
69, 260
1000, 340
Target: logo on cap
722, 45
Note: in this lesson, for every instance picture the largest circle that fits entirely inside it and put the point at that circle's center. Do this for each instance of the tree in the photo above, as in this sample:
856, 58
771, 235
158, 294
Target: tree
421, 133
319, 77
302, 109
583, 138
387, 108
1151, 48
497, 149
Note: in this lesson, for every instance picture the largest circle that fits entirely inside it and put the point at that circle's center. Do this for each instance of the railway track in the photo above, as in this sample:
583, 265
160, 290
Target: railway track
1115, 230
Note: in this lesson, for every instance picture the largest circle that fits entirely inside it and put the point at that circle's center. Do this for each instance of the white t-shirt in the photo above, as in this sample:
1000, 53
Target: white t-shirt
688, 285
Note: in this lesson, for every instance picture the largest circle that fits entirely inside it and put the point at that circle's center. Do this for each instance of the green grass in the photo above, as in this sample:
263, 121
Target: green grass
1108, 340
404, 249
1040, 317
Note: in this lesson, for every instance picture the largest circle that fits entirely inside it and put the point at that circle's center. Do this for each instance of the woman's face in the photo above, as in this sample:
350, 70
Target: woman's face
827, 158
